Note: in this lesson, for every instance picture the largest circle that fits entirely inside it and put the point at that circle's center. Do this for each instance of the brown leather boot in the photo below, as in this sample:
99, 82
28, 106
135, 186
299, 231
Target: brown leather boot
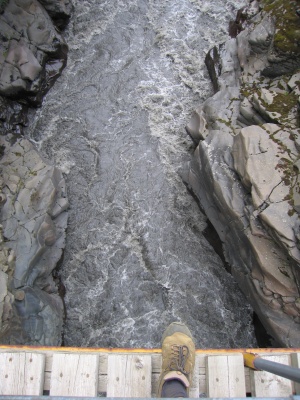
178, 356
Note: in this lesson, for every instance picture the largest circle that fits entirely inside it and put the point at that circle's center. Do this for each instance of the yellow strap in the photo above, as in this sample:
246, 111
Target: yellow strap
249, 359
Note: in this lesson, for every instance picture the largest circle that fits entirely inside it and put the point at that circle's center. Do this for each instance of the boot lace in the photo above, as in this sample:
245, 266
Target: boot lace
178, 358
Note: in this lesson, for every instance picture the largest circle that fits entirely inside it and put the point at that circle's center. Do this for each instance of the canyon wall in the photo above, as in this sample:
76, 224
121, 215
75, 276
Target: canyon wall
33, 195
245, 169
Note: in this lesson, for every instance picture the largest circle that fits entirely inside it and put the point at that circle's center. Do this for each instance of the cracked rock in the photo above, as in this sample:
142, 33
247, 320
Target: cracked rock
245, 171
34, 220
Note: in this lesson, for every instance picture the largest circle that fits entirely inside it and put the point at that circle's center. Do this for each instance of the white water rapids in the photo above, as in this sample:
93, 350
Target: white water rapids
114, 122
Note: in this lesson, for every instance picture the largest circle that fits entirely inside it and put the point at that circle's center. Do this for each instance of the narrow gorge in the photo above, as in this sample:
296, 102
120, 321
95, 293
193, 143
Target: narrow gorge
105, 197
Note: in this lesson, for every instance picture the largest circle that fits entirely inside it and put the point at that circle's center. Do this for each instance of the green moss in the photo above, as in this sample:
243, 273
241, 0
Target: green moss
223, 121
248, 90
283, 106
284, 102
291, 212
286, 166
280, 86
287, 23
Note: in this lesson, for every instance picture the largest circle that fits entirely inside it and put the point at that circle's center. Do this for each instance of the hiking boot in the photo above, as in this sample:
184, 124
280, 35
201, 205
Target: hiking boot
178, 356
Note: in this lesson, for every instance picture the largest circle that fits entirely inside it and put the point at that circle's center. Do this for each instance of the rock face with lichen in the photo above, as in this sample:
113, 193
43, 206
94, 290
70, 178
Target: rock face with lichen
245, 170
33, 197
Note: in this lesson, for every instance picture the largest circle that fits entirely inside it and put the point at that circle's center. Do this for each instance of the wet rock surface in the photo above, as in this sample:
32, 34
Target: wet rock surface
245, 175
135, 256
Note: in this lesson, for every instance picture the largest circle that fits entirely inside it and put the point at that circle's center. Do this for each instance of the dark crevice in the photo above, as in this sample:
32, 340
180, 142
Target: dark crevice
56, 273
264, 340
211, 235
214, 240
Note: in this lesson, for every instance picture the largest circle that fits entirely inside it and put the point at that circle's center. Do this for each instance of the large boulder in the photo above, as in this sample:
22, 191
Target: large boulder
245, 168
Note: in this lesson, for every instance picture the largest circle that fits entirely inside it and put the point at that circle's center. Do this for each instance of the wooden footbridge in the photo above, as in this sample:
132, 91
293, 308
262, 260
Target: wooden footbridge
89, 372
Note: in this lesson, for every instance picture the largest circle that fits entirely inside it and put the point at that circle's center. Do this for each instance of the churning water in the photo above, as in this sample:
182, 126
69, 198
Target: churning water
135, 258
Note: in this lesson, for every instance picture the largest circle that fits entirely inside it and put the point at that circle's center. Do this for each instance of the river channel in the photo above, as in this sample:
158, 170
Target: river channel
114, 122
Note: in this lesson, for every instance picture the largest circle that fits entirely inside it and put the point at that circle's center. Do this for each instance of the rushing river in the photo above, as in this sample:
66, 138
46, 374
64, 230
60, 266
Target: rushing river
114, 122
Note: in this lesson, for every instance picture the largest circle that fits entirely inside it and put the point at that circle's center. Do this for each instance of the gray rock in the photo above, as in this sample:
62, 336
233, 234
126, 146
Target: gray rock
13, 116
261, 36
59, 10
257, 41
7, 267
223, 65
21, 57
246, 178
248, 114
31, 44
222, 195
243, 48
197, 127
217, 112
279, 65
263, 101
294, 83
252, 9
254, 152
34, 220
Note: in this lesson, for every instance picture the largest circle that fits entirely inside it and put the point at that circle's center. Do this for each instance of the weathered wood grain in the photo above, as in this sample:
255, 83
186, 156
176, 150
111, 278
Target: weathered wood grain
265, 384
129, 375
199, 384
22, 373
225, 376
74, 375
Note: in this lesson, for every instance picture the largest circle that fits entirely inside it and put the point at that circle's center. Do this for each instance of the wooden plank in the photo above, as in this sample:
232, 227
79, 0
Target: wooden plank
129, 375
265, 384
202, 375
225, 376
47, 380
22, 374
156, 363
295, 358
154, 384
247, 380
74, 375
194, 388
